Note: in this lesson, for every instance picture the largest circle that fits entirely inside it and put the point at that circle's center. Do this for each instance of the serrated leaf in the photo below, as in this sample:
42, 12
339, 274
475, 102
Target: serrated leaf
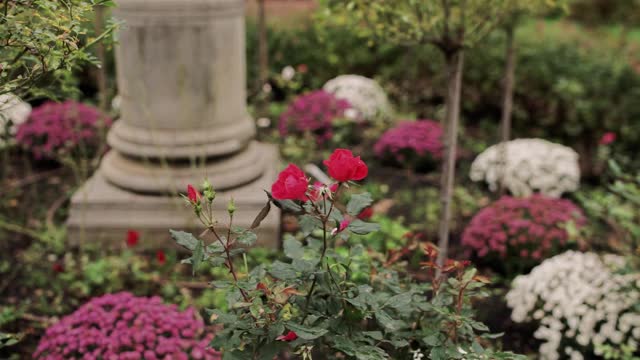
308, 224
293, 248
275, 330
305, 332
386, 321
400, 300
247, 238
359, 202
362, 228
198, 256
282, 271
184, 239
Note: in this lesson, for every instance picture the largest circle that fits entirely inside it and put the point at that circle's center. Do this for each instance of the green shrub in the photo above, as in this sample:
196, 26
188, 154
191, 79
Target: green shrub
567, 90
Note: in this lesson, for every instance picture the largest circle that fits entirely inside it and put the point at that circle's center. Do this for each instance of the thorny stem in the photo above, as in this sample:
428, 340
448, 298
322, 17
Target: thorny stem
229, 261
315, 278
324, 217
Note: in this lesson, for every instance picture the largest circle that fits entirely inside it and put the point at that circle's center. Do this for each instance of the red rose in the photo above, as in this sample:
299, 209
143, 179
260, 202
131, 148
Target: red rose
343, 225
193, 194
57, 267
161, 257
303, 68
289, 337
608, 138
132, 238
366, 214
343, 166
292, 184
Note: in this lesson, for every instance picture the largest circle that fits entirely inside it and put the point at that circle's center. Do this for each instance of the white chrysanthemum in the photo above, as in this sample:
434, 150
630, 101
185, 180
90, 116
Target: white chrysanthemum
364, 94
288, 72
13, 109
577, 298
532, 165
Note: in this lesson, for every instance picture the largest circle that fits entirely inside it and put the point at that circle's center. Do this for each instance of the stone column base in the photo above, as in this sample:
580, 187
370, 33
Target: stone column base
102, 213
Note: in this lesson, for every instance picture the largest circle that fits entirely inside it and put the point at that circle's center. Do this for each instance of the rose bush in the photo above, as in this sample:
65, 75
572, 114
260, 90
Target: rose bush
326, 300
522, 231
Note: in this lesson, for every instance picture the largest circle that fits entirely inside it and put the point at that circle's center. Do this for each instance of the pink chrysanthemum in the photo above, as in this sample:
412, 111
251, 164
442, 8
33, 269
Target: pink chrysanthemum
411, 143
530, 228
122, 326
313, 112
55, 129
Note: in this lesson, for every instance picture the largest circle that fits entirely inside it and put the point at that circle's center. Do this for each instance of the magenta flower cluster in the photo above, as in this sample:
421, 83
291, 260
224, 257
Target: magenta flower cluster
313, 112
121, 326
411, 141
59, 128
532, 228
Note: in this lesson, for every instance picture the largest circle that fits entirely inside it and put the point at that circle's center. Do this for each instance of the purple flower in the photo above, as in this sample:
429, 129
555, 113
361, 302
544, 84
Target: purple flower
411, 143
530, 227
122, 326
55, 129
313, 112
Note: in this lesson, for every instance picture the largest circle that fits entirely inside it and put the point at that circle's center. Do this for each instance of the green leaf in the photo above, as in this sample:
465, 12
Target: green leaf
282, 271
367, 352
359, 202
305, 332
375, 335
400, 300
362, 228
293, 248
431, 340
308, 224
386, 321
221, 317
184, 239
305, 266
247, 238
468, 275
270, 350
198, 256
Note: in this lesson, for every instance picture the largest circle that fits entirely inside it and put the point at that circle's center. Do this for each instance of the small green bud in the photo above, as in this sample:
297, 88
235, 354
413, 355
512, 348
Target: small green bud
231, 207
207, 190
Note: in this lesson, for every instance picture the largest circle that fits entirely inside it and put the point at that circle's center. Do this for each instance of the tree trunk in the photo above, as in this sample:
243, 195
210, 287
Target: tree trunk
507, 102
455, 63
263, 54
101, 71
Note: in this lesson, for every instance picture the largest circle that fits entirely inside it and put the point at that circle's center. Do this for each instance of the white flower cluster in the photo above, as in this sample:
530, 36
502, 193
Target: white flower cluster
364, 94
531, 165
579, 302
13, 109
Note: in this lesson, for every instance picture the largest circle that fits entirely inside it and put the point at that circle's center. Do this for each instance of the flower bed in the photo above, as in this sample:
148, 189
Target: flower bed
581, 305
413, 144
61, 129
532, 165
122, 326
522, 229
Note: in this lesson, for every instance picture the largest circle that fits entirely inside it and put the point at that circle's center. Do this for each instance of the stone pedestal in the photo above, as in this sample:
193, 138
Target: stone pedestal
181, 77
102, 212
